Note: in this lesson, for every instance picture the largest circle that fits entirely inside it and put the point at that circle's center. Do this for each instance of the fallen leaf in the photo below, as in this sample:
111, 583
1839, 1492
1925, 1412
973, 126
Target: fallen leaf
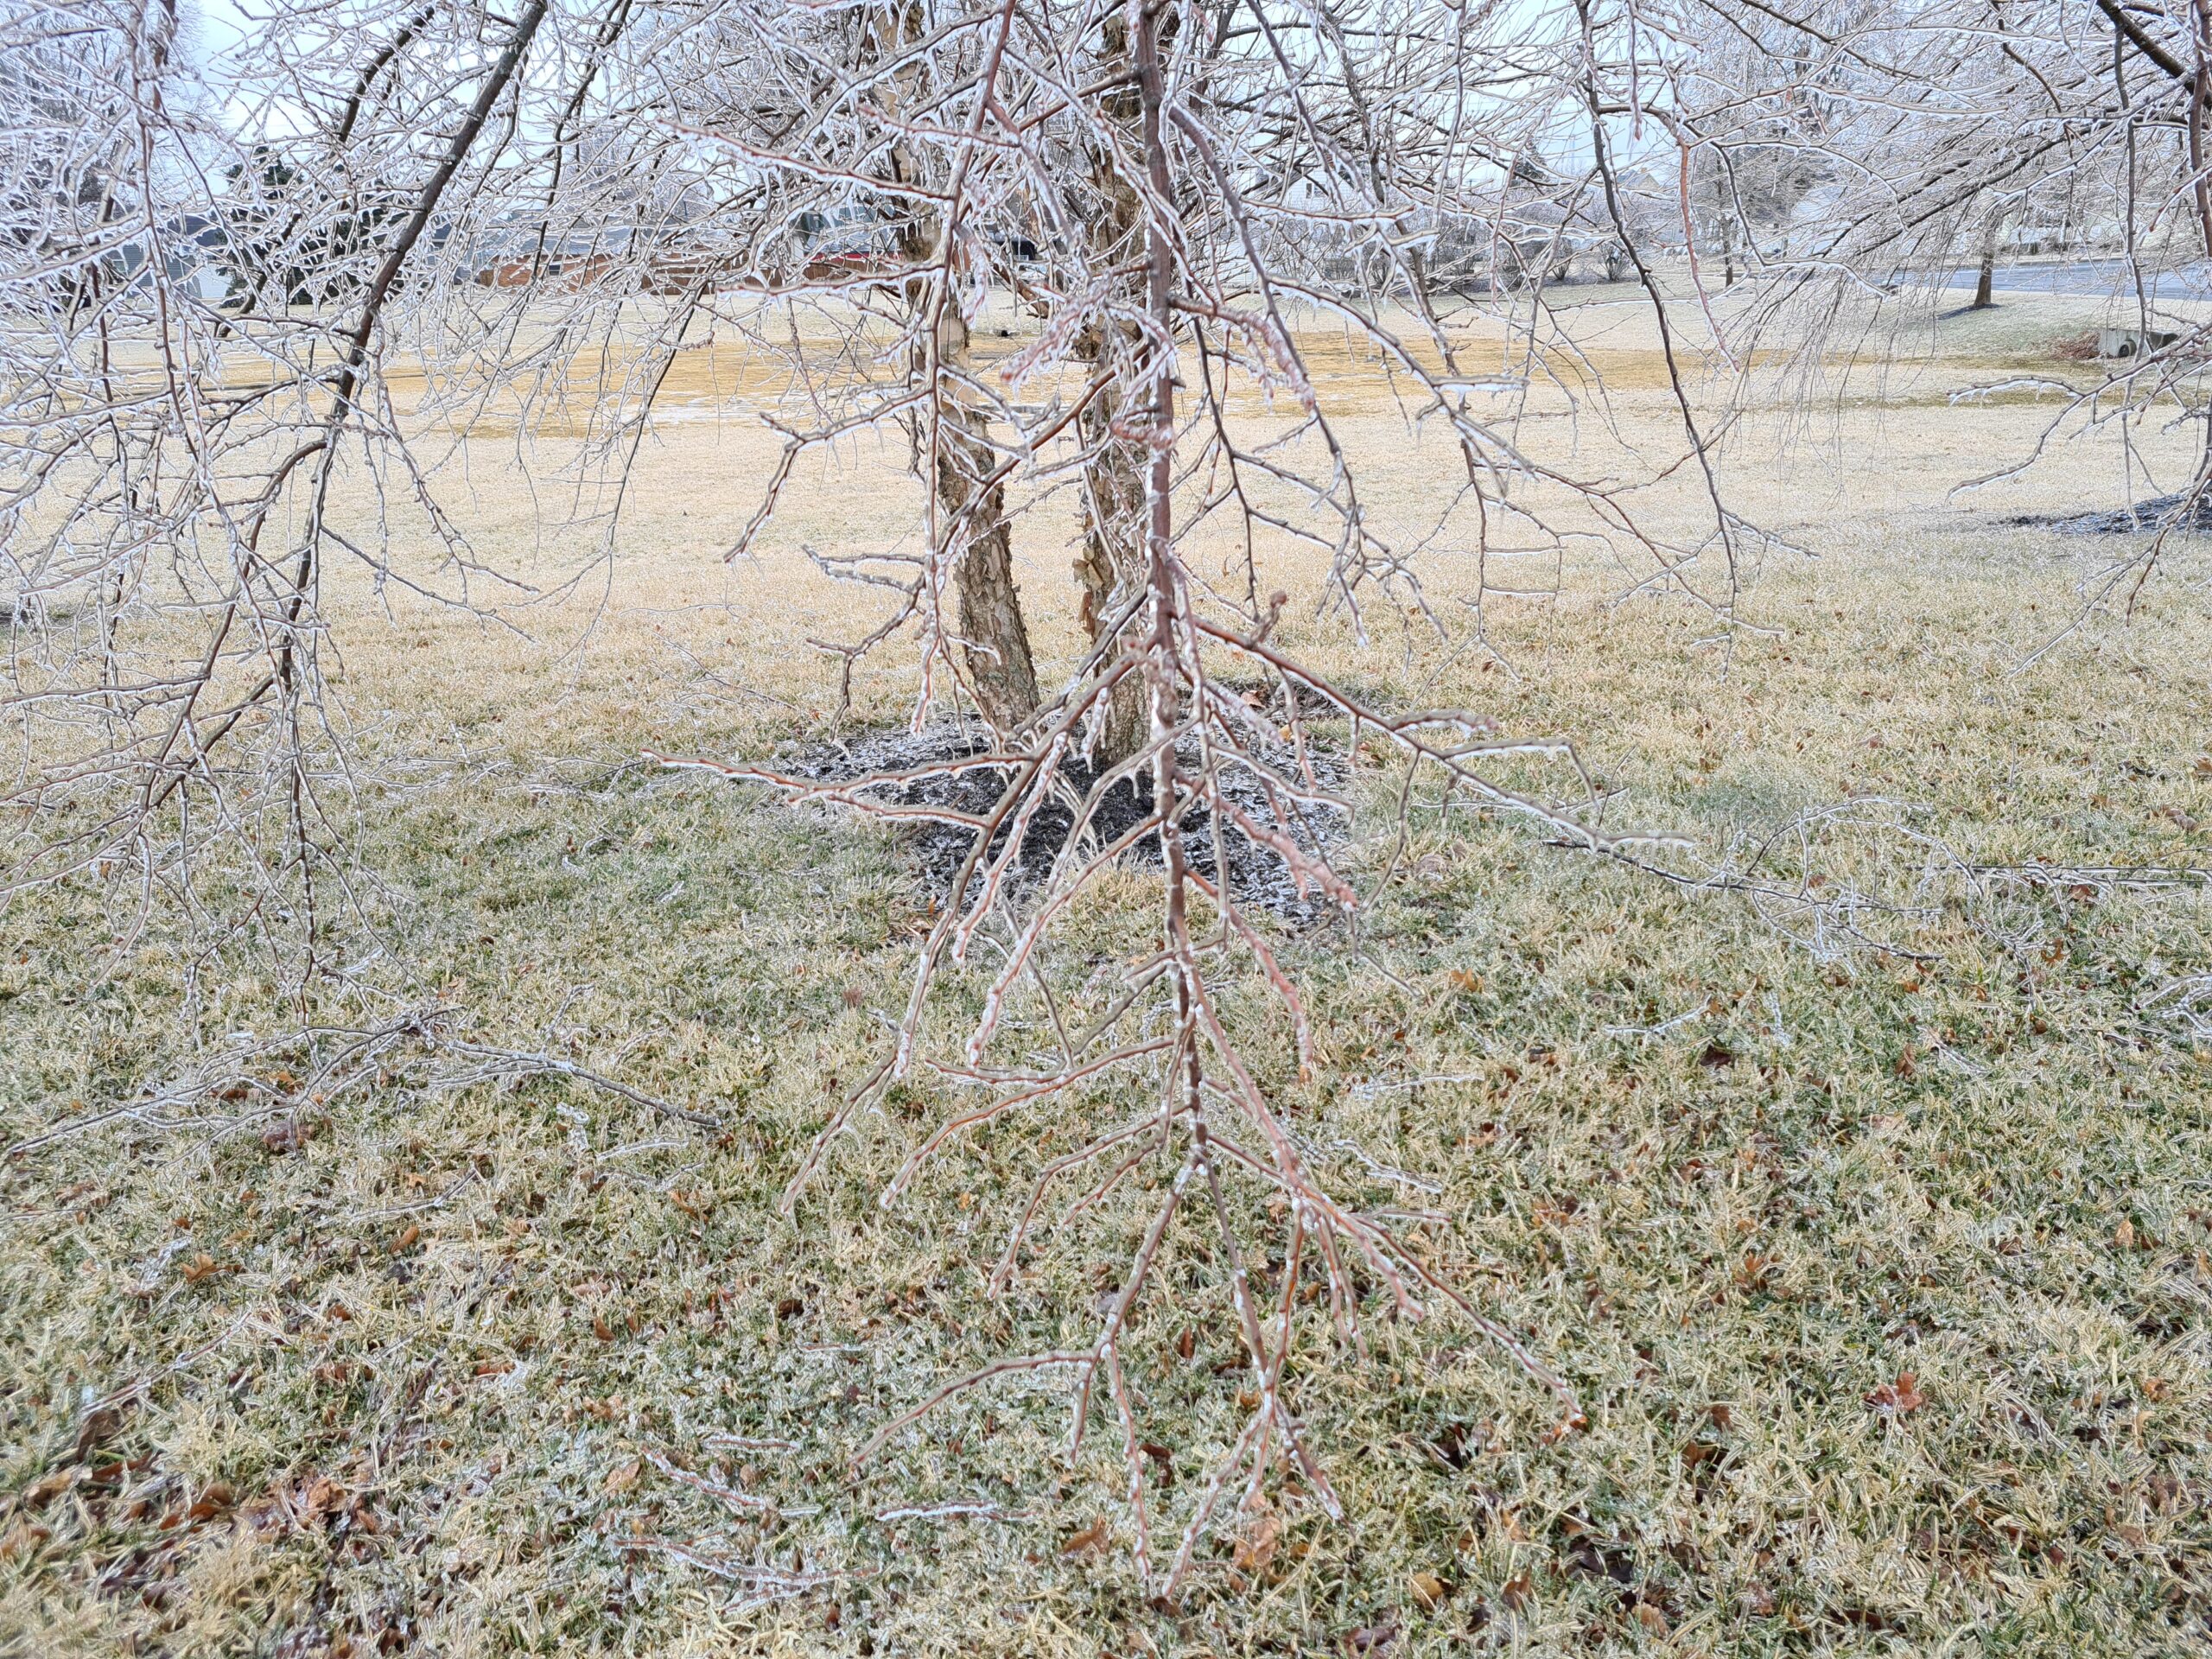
1258, 1544
211, 1503
1430, 1591
1164, 1458
1462, 980
406, 1238
1089, 1543
1898, 1397
2124, 1235
1651, 1618
1753, 1272
622, 1478
321, 1496
1519, 1591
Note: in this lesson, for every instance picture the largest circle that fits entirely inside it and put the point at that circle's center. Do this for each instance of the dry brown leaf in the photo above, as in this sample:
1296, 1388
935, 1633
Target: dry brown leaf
406, 1238
1089, 1543
1257, 1545
1651, 1618
1429, 1591
1520, 1590
284, 1137
321, 1496
1898, 1397
623, 1478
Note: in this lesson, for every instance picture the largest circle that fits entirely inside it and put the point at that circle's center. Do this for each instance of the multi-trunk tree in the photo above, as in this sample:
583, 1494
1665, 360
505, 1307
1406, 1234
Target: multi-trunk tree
1174, 193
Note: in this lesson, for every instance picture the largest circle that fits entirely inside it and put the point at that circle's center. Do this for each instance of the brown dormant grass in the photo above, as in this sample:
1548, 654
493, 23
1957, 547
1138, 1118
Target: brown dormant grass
1882, 1274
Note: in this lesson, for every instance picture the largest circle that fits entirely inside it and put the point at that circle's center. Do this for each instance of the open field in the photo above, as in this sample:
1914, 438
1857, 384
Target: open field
1883, 1274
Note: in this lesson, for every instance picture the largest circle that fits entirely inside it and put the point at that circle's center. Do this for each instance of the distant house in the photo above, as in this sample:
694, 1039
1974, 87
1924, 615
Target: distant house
193, 250
515, 255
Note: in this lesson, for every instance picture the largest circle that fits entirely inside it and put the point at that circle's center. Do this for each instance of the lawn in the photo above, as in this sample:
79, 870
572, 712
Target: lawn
1868, 1215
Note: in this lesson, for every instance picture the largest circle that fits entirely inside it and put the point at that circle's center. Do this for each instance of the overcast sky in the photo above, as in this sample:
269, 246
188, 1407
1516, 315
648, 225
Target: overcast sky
216, 25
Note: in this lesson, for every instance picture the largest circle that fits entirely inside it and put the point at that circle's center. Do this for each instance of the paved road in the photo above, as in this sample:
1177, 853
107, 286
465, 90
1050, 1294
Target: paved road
2100, 278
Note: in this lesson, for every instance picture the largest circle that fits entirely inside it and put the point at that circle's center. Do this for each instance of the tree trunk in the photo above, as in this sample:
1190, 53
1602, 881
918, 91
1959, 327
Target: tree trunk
994, 638
1110, 568
1110, 565
975, 537
1985, 280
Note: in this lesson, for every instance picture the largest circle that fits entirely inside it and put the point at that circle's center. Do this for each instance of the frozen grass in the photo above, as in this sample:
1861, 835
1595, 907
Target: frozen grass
1883, 1275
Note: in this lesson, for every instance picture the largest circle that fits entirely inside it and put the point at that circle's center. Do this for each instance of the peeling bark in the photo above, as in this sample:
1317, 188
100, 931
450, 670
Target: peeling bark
995, 638
1110, 567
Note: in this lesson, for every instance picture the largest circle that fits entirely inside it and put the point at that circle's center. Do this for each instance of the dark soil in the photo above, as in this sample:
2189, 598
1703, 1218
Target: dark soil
1255, 873
2189, 515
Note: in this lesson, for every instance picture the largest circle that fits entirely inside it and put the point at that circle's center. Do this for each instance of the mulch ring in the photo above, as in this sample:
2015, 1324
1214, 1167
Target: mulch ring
2189, 514
1256, 874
